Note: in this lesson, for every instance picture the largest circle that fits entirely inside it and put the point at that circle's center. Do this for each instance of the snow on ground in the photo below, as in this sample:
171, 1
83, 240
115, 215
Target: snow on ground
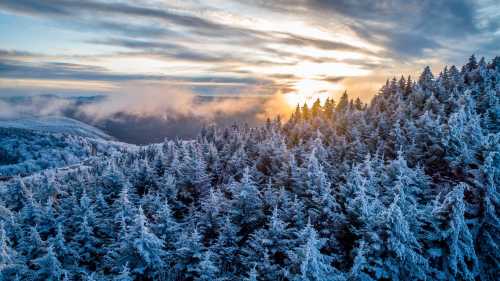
56, 124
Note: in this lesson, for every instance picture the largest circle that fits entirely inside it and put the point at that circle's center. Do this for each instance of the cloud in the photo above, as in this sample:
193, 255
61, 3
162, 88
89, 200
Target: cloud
234, 45
158, 113
161, 101
33, 106
68, 8
405, 28
19, 69
166, 102
333, 79
60, 70
323, 44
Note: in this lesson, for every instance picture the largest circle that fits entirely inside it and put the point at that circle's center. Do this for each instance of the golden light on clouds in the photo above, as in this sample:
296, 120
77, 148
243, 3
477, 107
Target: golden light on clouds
312, 69
307, 91
318, 81
298, 51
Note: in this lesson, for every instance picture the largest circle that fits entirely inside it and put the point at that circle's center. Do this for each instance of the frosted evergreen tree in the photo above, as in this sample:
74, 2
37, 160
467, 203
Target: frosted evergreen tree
168, 186
64, 252
48, 266
8, 256
17, 193
343, 102
465, 135
404, 259
267, 249
366, 215
189, 254
124, 275
31, 213
92, 277
85, 243
323, 209
201, 179
360, 265
166, 227
123, 207
309, 262
226, 248
207, 269
293, 213
103, 216
147, 256
317, 185
208, 218
487, 239
145, 178
410, 186
236, 165
472, 64
252, 275
426, 79
31, 244
457, 260
362, 199
48, 222
246, 204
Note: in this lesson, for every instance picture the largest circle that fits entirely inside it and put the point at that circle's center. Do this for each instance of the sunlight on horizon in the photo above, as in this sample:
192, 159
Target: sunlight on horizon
309, 90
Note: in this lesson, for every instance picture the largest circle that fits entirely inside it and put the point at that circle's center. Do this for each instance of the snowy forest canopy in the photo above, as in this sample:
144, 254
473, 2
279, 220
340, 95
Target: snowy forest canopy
405, 188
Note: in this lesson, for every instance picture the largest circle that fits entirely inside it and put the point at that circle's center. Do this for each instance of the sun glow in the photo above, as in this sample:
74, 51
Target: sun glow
307, 91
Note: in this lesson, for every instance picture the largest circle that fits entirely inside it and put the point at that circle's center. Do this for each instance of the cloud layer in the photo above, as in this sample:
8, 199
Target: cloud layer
235, 47
157, 113
165, 102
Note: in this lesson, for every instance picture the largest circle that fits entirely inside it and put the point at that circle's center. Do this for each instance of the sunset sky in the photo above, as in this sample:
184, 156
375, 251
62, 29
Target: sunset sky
295, 48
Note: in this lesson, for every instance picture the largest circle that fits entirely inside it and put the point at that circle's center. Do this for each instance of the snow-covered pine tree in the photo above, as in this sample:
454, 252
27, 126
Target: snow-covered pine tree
308, 263
48, 266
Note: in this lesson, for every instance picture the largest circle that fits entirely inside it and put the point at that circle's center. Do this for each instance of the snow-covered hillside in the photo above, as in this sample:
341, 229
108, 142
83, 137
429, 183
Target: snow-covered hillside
56, 124
30, 145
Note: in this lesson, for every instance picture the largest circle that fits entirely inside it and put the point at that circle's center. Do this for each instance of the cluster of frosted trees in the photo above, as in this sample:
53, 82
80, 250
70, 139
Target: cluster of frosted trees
405, 188
23, 152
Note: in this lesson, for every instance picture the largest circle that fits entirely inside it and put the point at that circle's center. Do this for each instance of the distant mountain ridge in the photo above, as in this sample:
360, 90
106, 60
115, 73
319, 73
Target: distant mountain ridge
29, 145
56, 124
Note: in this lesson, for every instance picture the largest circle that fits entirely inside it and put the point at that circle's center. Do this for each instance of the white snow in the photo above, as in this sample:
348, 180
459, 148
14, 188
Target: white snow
56, 124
